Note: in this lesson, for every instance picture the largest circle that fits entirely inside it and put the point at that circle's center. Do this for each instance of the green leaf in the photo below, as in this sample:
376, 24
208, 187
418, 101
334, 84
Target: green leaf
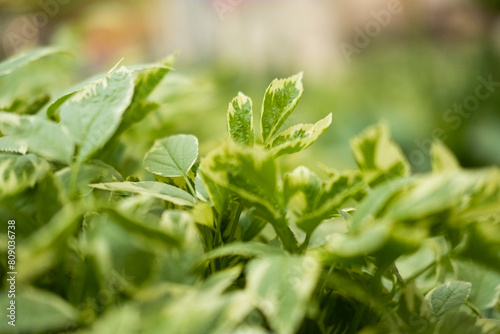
43, 248
240, 120
37, 311
159, 190
148, 232
448, 297
49, 197
41, 136
8, 144
218, 282
145, 83
215, 312
482, 244
11, 64
485, 289
219, 196
413, 309
19, 172
280, 100
94, 171
376, 201
435, 193
465, 323
488, 326
302, 180
172, 156
53, 107
368, 240
335, 192
281, 286
181, 224
374, 151
119, 320
92, 115
244, 249
203, 214
298, 137
442, 159
23, 106
250, 225
150, 76
251, 173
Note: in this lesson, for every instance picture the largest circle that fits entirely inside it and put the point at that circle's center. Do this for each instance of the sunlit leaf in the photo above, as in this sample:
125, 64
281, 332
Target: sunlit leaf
156, 189
281, 287
92, 115
172, 156
41, 136
298, 137
280, 100
374, 151
240, 120
442, 159
8, 144
11, 64
251, 173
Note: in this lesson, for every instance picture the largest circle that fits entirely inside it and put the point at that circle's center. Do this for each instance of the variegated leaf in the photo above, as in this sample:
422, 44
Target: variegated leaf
251, 173
19, 172
92, 115
41, 136
442, 159
280, 100
375, 151
240, 120
298, 137
8, 144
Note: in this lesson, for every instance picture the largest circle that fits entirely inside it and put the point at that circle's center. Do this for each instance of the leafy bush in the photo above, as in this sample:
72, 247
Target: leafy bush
231, 243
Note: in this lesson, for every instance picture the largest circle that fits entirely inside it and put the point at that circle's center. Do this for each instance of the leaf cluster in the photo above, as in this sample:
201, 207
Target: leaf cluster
229, 242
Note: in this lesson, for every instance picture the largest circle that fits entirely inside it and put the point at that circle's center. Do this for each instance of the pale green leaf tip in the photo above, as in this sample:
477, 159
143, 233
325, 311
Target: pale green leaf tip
442, 158
116, 66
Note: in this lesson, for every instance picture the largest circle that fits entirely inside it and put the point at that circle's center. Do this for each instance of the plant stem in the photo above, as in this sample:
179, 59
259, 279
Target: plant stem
234, 222
75, 170
190, 187
304, 245
209, 241
360, 312
286, 236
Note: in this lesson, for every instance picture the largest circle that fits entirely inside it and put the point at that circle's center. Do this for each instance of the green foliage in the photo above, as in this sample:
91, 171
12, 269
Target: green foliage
280, 100
172, 156
240, 120
42, 136
92, 115
233, 241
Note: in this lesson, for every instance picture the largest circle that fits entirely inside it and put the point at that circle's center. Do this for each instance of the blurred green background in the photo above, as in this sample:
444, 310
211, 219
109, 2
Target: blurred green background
420, 66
